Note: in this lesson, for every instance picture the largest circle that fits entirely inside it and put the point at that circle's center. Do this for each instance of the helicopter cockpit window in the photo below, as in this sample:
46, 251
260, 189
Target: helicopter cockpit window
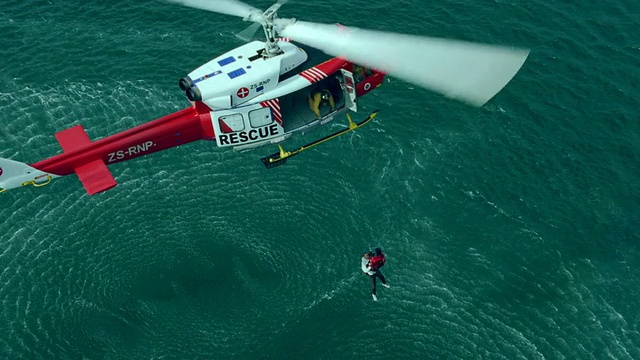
260, 117
231, 123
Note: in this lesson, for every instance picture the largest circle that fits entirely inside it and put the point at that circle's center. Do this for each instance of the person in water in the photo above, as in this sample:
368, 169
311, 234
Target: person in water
371, 264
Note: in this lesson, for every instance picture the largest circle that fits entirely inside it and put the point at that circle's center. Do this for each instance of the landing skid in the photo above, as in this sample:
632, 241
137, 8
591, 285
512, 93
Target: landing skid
280, 158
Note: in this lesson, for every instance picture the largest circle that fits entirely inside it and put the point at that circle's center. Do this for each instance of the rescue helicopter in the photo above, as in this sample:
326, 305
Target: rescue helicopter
301, 77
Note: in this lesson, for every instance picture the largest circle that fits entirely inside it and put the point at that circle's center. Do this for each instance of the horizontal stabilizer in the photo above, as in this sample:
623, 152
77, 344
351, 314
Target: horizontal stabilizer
95, 177
72, 138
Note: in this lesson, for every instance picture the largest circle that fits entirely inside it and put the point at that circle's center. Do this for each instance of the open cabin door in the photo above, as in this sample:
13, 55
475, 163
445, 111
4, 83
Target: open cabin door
246, 125
349, 90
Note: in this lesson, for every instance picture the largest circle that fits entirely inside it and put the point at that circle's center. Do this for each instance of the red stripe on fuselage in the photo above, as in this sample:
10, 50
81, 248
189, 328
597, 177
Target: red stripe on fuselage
274, 105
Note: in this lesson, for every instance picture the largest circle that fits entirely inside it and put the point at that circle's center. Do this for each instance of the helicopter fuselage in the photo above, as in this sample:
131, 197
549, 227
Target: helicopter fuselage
240, 100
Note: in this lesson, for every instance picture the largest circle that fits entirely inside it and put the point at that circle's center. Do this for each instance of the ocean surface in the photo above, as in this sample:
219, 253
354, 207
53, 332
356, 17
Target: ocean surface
511, 230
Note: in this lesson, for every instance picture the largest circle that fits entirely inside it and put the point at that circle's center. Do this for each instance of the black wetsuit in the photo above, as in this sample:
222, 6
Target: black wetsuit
373, 277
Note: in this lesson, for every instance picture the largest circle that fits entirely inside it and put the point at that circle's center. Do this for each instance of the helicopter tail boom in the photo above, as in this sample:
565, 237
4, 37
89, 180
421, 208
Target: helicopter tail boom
89, 159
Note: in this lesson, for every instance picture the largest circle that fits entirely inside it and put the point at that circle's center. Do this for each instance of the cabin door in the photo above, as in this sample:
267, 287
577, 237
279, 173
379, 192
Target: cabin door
349, 90
246, 125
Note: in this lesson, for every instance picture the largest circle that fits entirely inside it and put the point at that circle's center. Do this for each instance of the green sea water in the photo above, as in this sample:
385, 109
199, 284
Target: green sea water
511, 230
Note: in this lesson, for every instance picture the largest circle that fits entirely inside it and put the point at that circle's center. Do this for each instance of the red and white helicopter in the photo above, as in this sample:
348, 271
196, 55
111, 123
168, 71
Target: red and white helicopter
265, 92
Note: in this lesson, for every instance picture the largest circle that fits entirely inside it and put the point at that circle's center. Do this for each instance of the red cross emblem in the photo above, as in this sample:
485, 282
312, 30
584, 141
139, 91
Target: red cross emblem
242, 92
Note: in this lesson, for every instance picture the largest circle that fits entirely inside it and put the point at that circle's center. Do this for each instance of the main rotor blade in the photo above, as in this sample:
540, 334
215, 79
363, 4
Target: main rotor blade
229, 7
247, 34
469, 72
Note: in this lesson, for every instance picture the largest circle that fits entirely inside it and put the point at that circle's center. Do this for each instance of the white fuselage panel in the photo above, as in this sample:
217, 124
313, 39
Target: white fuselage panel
243, 73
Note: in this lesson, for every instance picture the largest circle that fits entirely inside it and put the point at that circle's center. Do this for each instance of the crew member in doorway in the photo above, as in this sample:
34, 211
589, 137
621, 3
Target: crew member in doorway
371, 264
321, 98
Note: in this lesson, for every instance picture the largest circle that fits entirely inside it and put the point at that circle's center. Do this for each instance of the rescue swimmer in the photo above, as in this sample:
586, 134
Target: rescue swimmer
371, 263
